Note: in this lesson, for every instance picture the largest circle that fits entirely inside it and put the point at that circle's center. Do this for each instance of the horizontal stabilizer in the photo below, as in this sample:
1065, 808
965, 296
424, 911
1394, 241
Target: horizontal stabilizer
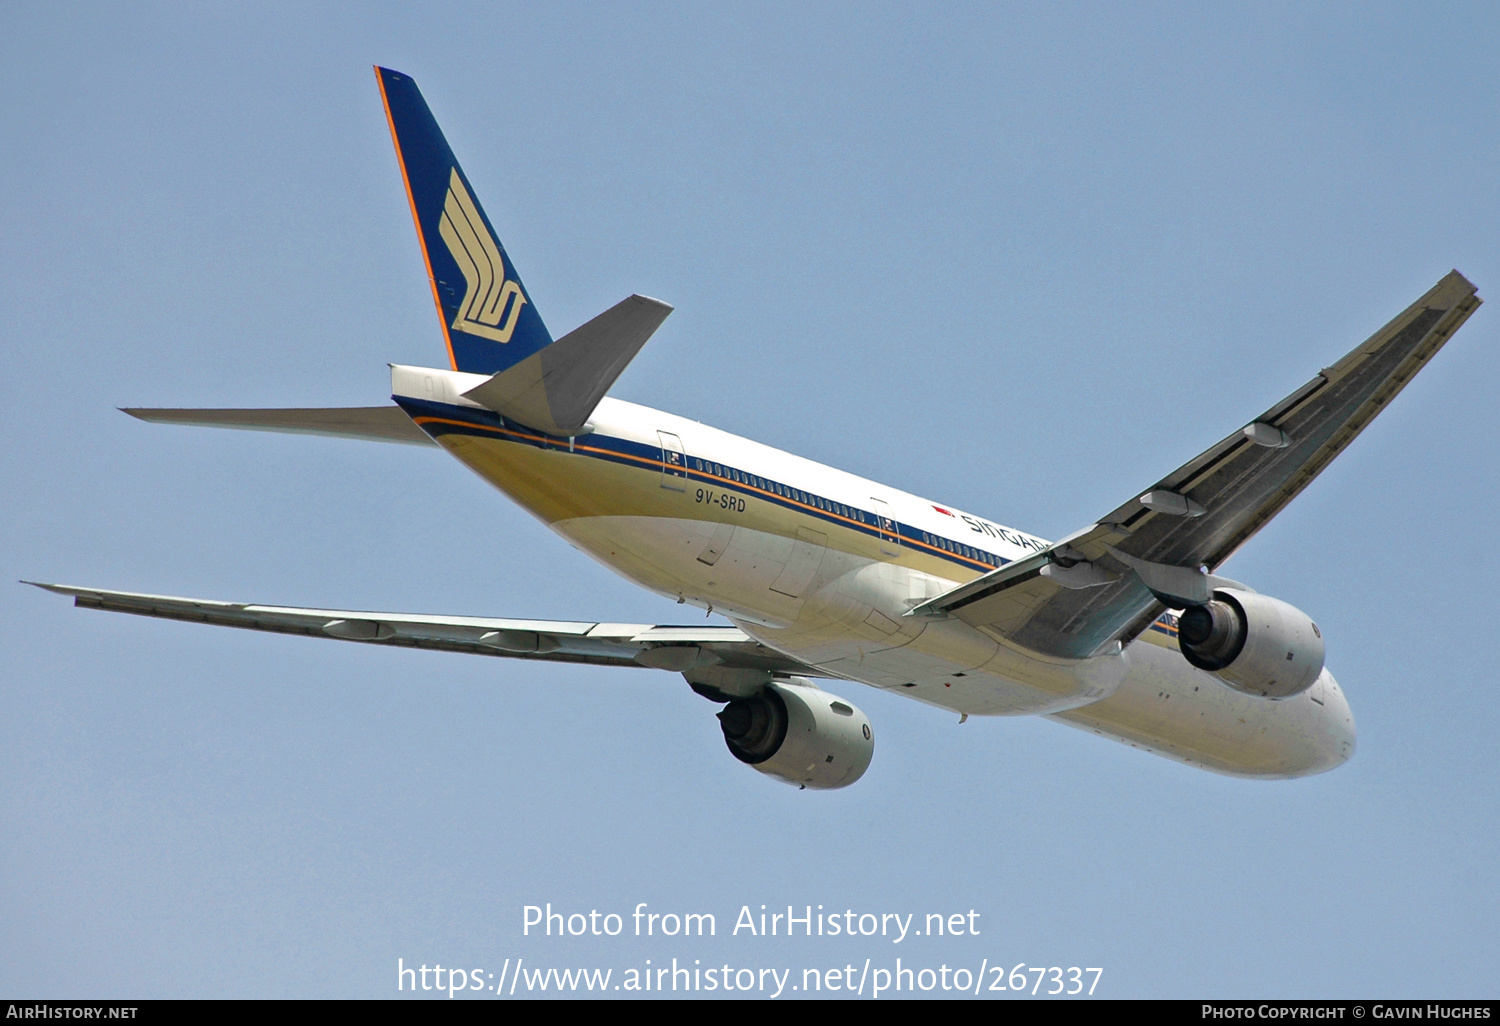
372, 423
555, 390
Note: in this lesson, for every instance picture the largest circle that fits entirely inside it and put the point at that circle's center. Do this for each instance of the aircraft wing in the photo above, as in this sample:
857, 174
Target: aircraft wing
1106, 584
372, 423
679, 649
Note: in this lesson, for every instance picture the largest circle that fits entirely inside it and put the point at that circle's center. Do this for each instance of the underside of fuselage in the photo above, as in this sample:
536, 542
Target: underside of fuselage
825, 583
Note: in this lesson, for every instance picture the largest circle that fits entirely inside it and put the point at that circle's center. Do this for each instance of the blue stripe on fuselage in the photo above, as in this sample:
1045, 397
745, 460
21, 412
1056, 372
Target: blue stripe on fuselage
439, 419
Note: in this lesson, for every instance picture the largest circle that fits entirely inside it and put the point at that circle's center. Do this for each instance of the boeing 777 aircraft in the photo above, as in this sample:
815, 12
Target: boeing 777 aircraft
1122, 628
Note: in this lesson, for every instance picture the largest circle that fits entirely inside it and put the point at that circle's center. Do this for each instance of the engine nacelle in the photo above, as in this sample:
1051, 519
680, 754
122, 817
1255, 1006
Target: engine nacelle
1253, 643
801, 734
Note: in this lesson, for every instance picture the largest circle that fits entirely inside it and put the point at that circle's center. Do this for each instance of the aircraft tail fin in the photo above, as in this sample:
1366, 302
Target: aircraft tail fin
488, 319
556, 390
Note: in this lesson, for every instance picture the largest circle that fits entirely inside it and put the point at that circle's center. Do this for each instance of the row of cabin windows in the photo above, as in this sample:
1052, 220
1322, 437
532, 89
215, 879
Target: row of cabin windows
776, 488
961, 550
794, 494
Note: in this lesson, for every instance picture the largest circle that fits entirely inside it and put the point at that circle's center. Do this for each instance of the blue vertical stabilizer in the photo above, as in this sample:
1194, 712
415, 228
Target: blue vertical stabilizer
487, 315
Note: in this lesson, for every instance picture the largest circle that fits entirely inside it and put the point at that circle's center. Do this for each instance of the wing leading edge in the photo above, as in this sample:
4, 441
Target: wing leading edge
699, 652
1106, 583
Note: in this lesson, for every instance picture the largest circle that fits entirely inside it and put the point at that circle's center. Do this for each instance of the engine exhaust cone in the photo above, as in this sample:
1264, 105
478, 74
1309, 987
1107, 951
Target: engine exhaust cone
754, 727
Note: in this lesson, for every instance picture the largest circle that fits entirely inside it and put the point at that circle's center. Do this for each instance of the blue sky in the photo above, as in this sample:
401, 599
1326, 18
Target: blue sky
1021, 259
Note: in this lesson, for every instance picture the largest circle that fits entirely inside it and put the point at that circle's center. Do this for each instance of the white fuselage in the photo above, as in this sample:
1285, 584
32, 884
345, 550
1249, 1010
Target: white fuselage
824, 566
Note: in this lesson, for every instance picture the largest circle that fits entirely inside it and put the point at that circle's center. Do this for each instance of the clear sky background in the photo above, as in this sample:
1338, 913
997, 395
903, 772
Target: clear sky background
1020, 259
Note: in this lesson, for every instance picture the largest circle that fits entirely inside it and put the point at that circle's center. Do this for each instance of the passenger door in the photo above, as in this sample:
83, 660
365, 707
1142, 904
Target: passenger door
890, 536
673, 462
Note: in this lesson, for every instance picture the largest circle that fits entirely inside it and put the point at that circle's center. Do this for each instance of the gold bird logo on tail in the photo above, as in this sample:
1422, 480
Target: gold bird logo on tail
489, 298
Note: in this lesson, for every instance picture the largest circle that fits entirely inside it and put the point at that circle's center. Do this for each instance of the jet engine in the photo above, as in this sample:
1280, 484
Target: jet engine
1253, 643
799, 733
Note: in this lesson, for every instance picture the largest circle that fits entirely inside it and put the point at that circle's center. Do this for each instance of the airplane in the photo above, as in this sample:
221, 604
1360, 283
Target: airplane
1123, 628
